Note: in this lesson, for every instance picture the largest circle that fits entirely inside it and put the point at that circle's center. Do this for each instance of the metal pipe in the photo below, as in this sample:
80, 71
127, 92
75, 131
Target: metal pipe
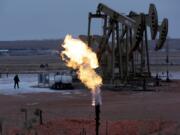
147, 52
105, 26
167, 60
131, 44
1, 127
97, 113
103, 44
113, 53
25, 115
119, 51
129, 22
38, 112
127, 55
142, 56
89, 29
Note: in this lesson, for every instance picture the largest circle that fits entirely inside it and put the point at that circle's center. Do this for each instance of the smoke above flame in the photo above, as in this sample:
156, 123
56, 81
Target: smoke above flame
80, 57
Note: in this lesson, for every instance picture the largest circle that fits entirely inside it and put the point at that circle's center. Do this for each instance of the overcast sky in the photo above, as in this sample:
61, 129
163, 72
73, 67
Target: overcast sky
52, 19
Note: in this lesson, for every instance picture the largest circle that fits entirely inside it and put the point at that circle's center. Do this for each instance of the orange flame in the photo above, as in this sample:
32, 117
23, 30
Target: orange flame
79, 56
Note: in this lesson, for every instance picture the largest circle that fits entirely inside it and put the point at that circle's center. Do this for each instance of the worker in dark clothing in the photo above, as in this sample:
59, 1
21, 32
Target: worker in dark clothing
16, 81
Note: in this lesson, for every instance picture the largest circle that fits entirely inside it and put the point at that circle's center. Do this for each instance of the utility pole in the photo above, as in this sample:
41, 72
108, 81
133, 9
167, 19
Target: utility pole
167, 59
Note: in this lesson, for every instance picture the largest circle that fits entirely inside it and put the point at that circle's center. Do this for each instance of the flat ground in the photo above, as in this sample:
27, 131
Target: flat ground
161, 104
116, 105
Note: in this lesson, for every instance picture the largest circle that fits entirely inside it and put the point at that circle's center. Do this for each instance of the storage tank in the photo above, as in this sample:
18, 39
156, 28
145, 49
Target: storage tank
63, 81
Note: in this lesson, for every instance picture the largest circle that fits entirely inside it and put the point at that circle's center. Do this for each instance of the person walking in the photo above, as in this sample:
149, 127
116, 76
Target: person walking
16, 81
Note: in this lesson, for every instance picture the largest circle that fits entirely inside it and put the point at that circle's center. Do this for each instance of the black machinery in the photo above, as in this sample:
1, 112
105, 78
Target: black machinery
122, 48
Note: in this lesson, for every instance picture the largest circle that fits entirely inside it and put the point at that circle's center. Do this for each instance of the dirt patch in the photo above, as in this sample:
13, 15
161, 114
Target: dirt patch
87, 127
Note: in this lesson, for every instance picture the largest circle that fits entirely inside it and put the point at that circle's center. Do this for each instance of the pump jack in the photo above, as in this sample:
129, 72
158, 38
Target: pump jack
123, 51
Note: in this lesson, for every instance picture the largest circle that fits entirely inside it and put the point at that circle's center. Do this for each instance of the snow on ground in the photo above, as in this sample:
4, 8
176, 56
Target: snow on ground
27, 81
172, 75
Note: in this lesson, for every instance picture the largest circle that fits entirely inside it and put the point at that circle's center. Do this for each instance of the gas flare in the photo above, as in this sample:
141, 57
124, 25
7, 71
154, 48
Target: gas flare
80, 57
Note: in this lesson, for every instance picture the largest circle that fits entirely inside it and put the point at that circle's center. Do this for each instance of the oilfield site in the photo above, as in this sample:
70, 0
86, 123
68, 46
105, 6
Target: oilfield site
123, 81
